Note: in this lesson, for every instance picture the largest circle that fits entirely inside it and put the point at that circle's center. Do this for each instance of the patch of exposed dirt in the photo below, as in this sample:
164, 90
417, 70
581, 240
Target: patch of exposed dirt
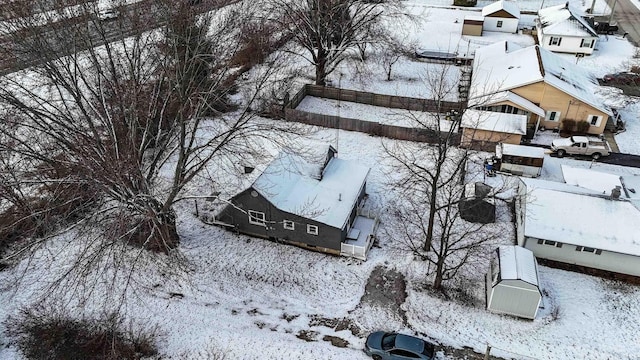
336, 341
307, 335
336, 324
386, 288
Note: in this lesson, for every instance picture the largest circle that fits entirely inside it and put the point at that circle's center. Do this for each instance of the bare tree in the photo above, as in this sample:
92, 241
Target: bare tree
394, 48
110, 137
430, 178
328, 29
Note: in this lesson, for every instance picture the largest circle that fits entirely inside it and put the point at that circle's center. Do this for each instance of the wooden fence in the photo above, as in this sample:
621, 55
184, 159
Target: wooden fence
369, 127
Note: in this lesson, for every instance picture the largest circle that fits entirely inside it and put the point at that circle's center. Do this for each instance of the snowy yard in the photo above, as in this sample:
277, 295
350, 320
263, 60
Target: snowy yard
250, 298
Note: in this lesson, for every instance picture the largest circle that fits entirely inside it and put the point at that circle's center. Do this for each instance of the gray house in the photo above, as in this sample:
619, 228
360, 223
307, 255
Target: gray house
578, 226
313, 203
513, 283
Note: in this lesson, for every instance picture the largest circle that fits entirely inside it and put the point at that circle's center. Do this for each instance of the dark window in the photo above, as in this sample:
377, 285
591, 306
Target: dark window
499, 24
540, 241
555, 41
549, 242
388, 341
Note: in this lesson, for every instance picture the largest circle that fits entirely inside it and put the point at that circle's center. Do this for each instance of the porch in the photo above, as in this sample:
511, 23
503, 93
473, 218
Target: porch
361, 236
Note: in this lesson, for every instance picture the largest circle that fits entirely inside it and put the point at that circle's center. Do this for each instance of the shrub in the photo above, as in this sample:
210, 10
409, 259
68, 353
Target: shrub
45, 333
465, 2
582, 127
568, 125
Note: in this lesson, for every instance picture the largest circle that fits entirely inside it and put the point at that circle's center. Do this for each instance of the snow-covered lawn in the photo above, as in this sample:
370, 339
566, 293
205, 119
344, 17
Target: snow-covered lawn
251, 298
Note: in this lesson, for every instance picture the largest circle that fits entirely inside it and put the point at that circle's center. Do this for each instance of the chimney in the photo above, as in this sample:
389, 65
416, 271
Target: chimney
615, 193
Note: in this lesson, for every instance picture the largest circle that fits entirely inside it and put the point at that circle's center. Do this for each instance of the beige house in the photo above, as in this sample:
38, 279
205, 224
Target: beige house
538, 84
484, 129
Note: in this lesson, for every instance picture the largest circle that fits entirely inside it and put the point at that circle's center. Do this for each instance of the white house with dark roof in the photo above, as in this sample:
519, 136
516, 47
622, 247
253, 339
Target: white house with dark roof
537, 83
309, 202
503, 16
578, 226
561, 28
512, 283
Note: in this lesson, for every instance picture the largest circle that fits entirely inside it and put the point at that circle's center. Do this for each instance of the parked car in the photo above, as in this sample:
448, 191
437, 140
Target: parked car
382, 345
580, 145
622, 78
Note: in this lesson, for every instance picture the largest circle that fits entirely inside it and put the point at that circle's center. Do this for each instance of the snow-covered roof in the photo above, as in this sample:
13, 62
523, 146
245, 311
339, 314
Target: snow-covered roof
583, 220
502, 96
292, 184
474, 17
509, 6
533, 184
518, 263
520, 150
504, 66
564, 20
591, 179
494, 121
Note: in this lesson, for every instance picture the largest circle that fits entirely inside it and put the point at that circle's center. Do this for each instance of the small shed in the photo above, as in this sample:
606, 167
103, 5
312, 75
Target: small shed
520, 160
502, 16
472, 25
513, 286
476, 205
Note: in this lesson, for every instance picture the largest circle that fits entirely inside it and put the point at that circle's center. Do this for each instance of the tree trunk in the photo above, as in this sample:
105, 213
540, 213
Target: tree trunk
157, 230
389, 73
321, 68
432, 213
437, 282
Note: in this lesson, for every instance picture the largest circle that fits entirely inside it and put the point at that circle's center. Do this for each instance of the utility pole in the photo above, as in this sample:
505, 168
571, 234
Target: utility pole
486, 353
613, 7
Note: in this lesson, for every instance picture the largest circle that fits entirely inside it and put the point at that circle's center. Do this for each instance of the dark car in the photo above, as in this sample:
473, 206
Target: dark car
382, 345
622, 78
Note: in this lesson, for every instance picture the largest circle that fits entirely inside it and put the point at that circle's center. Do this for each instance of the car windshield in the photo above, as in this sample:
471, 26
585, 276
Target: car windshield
388, 341
429, 349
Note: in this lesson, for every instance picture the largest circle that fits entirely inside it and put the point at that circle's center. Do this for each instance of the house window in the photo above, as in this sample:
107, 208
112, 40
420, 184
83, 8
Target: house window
289, 225
257, 218
312, 229
551, 243
587, 43
499, 24
595, 120
553, 115
555, 41
589, 250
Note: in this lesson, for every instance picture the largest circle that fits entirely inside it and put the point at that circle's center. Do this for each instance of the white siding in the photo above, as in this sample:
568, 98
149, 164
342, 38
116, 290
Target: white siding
609, 261
508, 25
514, 297
567, 44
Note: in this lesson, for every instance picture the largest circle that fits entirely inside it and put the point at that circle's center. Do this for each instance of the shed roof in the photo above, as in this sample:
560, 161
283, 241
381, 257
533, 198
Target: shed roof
564, 20
583, 220
504, 66
521, 150
494, 121
292, 184
518, 263
510, 7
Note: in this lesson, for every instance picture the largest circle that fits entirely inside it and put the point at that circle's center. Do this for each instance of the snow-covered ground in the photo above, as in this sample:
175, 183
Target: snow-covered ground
251, 298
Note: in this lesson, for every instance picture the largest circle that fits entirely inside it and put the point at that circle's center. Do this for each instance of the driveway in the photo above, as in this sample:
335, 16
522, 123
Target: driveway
627, 17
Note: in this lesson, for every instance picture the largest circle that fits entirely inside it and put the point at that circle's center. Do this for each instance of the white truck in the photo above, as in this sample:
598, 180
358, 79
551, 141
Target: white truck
580, 145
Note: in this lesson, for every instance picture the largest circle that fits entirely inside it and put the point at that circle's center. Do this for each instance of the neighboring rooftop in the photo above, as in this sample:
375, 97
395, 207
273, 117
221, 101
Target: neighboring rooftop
564, 20
302, 187
504, 66
510, 7
584, 220
494, 121
520, 150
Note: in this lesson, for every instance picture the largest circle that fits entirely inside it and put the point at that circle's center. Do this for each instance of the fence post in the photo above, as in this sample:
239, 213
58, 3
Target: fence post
486, 353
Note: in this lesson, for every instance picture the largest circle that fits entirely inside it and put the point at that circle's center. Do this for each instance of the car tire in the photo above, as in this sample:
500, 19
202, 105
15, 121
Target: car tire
595, 156
377, 357
561, 153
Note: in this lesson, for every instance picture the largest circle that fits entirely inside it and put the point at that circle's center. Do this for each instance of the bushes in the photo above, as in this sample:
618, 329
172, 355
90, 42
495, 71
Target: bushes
568, 125
44, 333
582, 127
